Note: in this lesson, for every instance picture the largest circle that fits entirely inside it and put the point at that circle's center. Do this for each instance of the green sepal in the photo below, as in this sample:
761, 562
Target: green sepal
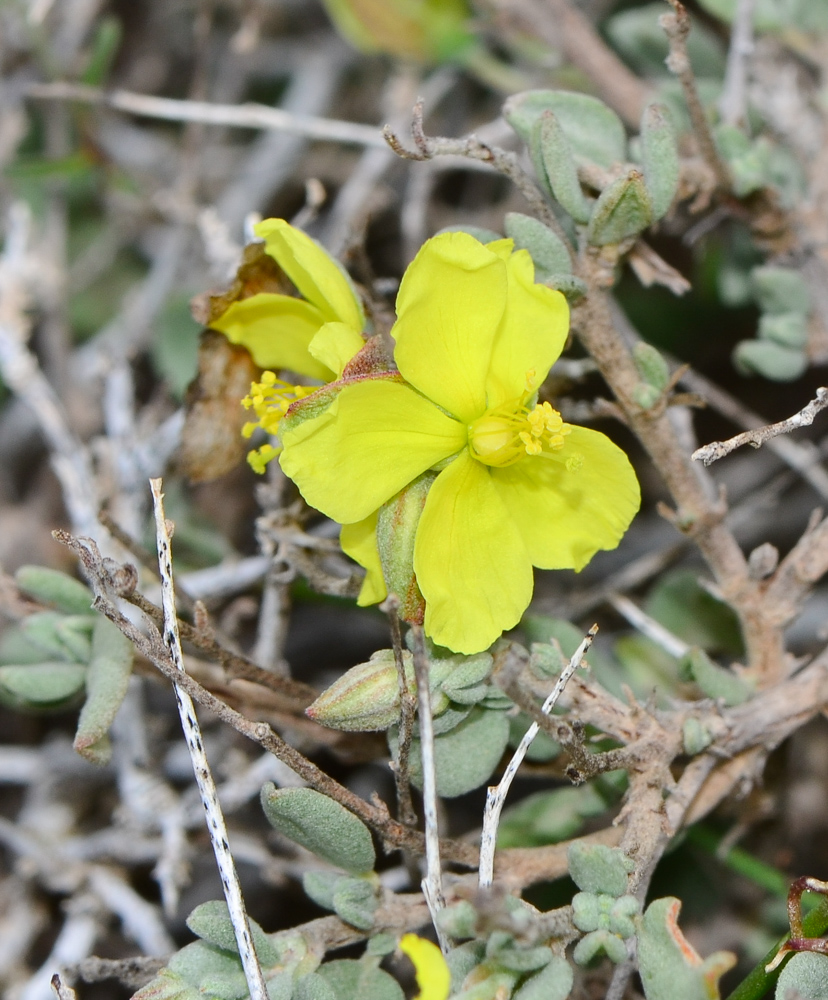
552, 983
397, 525
211, 922
50, 586
660, 157
554, 163
788, 329
780, 290
547, 249
764, 357
668, 964
599, 869
651, 366
623, 209
320, 825
715, 681
107, 680
41, 685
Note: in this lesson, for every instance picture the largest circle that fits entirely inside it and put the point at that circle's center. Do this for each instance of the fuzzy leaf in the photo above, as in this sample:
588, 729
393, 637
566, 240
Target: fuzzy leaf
660, 158
321, 825
466, 756
623, 209
49, 632
549, 817
552, 983
353, 980
780, 290
682, 605
594, 132
211, 922
50, 586
715, 681
593, 944
651, 366
598, 868
788, 329
107, 680
555, 164
764, 357
548, 251
41, 685
214, 971
805, 976
320, 887
669, 965
314, 987
355, 901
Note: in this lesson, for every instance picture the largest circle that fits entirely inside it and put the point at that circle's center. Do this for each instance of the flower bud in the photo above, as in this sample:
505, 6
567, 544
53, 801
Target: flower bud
366, 698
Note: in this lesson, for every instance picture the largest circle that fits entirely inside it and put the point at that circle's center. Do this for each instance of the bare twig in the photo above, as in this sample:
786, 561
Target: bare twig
677, 27
201, 767
496, 795
257, 116
733, 102
712, 452
408, 705
432, 884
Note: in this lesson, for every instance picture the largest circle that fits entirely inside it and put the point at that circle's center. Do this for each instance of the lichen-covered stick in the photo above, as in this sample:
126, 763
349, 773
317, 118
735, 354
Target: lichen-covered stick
496, 794
201, 768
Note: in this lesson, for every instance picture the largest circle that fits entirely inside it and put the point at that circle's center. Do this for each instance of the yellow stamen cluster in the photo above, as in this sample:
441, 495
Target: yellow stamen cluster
507, 433
270, 400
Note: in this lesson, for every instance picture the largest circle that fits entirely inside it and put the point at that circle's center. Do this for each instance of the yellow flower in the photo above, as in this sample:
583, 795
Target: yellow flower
433, 976
516, 486
278, 329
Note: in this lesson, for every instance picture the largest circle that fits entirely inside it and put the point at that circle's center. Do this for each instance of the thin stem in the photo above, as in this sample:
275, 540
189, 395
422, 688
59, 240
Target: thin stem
408, 705
201, 767
496, 795
432, 884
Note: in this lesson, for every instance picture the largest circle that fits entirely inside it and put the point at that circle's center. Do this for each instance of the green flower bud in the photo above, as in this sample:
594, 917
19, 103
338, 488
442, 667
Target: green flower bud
623, 209
321, 825
366, 698
548, 251
659, 153
396, 533
764, 357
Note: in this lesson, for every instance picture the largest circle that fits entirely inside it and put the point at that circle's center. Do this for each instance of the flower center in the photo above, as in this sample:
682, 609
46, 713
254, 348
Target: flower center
507, 433
270, 400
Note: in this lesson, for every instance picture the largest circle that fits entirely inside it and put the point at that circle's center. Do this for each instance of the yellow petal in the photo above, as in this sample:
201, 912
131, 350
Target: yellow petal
569, 507
450, 303
433, 976
470, 560
531, 335
315, 273
375, 437
335, 345
277, 330
359, 541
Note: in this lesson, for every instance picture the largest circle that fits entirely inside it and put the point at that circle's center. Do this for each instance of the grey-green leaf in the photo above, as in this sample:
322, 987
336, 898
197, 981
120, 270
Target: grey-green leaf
553, 159
788, 329
598, 868
314, 987
211, 922
552, 983
764, 357
651, 366
660, 158
623, 209
780, 290
355, 901
805, 977
715, 681
214, 971
321, 825
107, 680
41, 685
50, 586
353, 980
548, 251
